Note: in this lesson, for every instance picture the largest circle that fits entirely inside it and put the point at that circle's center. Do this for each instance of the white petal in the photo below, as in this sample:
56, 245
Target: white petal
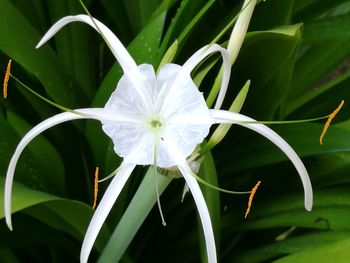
135, 91
186, 101
203, 212
117, 48
89, 113
230, 117
201, 54
67, 116
104, 208
240, 29
198, 198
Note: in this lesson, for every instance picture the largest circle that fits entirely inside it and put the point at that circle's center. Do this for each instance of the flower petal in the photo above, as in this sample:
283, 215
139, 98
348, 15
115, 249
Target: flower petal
89, 113
198, 198
67, 116
135, 92
201, 54
104, 208
117, 48
230, 117
202, 210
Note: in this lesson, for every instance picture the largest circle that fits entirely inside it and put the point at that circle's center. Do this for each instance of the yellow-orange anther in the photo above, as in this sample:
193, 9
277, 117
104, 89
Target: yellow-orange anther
6, 79
95, 188
251, 196
329, 120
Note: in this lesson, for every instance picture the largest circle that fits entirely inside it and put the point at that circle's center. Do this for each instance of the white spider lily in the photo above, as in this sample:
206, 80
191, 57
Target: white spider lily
152, 117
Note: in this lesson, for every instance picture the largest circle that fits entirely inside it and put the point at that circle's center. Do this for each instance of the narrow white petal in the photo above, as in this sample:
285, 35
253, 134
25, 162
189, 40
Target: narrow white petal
104, 208
198, 198
108, 115
240, 29
117, 48
88, 113
230, 117
191, 119
201, 54
66, 116
202, 210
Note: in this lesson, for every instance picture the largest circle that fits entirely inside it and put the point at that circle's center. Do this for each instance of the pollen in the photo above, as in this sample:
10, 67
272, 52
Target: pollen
329, 120
6, 79
155, 123
251, 196
95, 188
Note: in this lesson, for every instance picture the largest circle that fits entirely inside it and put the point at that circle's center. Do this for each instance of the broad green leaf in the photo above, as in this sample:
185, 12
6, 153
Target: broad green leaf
334, 252
330, 212
281, 10
18, 42
310, 9
304, 138
137, 211
68, 216
267, 59
208, 173
296, 244
65, 215
8, 256
186, 18
23, 197
319, 70
74, 47
32, 168
40, 148
332, 28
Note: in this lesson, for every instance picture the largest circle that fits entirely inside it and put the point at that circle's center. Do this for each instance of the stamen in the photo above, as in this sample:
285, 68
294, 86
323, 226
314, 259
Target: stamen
6, 79
251, 196
154, 166
158, 199
95, 188
329, 120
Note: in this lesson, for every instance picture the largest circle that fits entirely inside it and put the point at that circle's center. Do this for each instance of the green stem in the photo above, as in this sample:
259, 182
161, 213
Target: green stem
137, 211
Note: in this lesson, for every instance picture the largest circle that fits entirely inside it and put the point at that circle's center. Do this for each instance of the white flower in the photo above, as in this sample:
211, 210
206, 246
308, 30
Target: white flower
152, 117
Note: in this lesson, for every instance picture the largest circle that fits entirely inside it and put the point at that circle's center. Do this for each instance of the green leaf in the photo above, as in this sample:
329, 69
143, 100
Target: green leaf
320, 69
65, 215
258, 151
273, 54
208, 173
23, 197
330, 212
336, 252
69, 216
310, 9
296, 244
137, 211
281, 10
43, 63
332, 28
74, 47
186, 18
52, 168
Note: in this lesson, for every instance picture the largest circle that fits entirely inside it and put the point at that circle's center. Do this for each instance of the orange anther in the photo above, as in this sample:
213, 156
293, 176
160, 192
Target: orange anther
251, 196
329, 120
6, 79
95, 188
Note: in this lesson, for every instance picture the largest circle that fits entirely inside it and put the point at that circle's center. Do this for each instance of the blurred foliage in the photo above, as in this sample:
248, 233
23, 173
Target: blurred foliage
297, 57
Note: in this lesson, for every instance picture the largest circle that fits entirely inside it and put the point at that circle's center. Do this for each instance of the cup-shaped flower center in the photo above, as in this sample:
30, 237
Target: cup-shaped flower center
155, 102
155, 124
